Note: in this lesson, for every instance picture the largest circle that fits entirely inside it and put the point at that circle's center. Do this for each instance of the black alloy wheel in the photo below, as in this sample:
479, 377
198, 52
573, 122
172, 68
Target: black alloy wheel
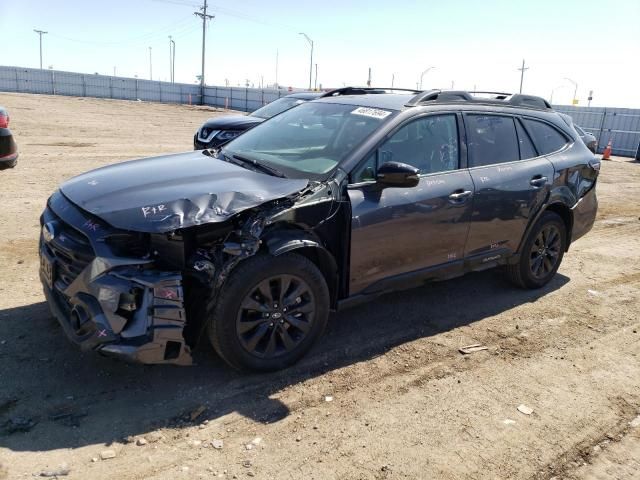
542, 253
545, 251
276, 316
270, 312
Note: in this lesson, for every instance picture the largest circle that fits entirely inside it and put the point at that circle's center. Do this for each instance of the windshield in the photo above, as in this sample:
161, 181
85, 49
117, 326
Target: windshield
277, 106
309, 139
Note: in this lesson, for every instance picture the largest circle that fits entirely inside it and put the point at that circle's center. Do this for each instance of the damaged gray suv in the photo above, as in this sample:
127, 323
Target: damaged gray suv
328, 204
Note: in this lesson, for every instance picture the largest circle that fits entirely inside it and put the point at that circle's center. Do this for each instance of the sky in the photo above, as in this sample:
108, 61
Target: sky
470, 44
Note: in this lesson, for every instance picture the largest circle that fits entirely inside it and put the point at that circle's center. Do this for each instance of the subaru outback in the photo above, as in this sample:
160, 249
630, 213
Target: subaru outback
331, 203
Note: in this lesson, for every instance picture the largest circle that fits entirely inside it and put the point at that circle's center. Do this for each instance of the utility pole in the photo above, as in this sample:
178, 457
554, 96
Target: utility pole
315, 84
204, 18
522, 70
311, 61
150, 66
369, 79
393, 77
277, 68
40, 33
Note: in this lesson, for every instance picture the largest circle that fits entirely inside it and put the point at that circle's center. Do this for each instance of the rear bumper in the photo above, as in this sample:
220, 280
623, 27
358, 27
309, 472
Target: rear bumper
584, 214
8, 149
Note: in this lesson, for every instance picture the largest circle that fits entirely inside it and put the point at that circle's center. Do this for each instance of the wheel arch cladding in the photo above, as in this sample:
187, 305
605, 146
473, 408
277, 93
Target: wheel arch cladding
306, 244
565, 213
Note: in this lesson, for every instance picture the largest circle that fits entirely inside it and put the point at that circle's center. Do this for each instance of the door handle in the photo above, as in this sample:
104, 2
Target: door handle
460, 194
538, 181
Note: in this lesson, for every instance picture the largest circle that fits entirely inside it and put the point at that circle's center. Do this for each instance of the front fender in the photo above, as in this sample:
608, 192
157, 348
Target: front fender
309, 245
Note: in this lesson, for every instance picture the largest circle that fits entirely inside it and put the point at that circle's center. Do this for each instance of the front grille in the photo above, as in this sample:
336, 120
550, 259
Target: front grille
72, 252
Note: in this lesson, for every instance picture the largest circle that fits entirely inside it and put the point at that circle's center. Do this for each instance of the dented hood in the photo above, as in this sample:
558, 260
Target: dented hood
161, 194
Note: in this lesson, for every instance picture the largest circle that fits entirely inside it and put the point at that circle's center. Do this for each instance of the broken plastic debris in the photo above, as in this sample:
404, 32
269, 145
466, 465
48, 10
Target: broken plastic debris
524, 409
476, 347
62, 471
595, 293
508, 421
328, 398
217, 444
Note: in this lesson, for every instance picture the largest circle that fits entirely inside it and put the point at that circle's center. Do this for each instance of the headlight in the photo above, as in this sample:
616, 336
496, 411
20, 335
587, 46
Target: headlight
227, 134
206, 133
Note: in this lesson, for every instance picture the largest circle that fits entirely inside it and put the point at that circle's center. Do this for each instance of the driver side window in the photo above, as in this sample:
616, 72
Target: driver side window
429, 143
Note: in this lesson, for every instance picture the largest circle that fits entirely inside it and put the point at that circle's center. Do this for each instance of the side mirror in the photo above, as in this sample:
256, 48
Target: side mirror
396, 174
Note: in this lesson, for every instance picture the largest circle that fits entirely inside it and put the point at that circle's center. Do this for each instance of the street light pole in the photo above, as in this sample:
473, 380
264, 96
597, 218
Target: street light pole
40, 33
311, 61
170, 54
553, 90
172, 60
150, 66
575, 90
422, 76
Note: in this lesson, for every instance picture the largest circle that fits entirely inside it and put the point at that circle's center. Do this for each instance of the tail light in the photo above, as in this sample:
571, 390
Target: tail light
4, 120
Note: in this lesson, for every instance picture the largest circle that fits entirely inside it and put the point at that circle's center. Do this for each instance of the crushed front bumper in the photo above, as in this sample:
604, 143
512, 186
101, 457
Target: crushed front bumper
116, 306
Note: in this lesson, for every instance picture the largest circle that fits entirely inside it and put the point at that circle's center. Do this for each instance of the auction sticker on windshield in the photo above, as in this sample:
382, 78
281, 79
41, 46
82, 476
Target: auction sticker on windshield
371, 112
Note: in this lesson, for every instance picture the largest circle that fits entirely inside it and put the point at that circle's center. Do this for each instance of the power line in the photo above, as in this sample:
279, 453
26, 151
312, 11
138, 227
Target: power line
182, 25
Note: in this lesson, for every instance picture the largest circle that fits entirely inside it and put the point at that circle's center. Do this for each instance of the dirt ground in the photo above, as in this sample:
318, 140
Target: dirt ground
385, 395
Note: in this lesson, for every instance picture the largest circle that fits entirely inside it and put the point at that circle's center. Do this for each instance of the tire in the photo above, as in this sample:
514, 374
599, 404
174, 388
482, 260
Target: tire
252, 329
541, 253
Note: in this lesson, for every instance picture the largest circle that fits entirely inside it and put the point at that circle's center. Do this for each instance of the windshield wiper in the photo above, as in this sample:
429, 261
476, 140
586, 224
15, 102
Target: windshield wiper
258, 166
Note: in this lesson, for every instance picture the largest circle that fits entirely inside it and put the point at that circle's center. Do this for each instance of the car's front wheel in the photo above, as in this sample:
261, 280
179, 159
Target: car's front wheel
270, 312
541, 254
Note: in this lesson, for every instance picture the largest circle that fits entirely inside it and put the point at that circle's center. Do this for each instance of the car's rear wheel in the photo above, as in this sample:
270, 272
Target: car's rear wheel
541, 254
270, 312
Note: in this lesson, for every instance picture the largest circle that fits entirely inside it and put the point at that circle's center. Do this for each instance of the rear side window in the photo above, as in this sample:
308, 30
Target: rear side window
546, 137
491, 139
527, 149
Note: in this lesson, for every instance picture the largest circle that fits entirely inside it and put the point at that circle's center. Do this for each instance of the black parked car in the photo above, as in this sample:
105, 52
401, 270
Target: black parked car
219, 130
8, 147
588, 138
253, 244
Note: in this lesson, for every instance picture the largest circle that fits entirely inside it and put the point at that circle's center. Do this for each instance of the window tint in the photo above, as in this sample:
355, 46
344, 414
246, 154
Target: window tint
491, 139
546, 138
429, 143
526, 147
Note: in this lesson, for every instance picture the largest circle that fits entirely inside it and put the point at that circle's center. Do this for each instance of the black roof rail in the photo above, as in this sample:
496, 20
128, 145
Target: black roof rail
364, 91
497, 98
439, 95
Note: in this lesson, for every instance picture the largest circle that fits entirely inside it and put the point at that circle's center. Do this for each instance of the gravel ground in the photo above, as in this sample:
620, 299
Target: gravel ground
384, 395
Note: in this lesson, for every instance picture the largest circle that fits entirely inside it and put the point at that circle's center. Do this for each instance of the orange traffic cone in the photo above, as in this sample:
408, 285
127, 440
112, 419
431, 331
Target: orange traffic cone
606, 155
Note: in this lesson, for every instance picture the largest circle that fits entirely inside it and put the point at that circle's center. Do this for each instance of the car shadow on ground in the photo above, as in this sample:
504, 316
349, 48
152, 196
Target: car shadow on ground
54, 396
